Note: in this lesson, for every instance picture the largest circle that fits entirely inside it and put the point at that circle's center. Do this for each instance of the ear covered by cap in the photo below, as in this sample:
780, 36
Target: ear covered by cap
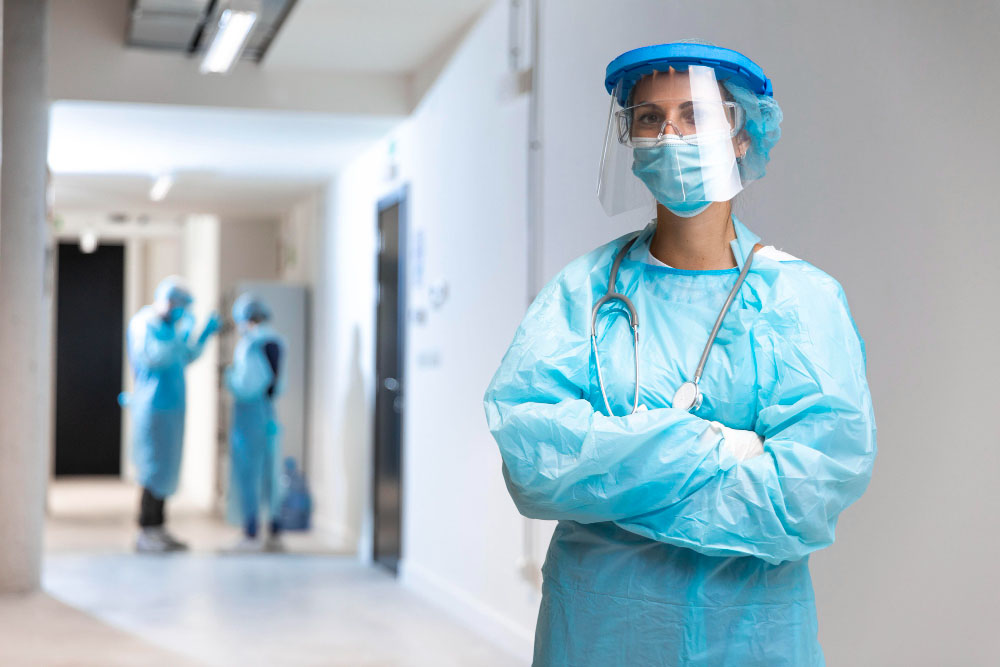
762, 127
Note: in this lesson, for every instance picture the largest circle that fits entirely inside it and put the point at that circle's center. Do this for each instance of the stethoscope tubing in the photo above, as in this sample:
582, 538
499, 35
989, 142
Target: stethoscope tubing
612, 295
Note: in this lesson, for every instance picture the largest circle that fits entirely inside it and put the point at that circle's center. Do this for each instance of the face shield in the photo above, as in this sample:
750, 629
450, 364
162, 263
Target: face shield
675, 134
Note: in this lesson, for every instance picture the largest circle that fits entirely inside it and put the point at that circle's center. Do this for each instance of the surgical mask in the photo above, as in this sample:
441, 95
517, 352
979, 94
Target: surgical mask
175, 314
674, 171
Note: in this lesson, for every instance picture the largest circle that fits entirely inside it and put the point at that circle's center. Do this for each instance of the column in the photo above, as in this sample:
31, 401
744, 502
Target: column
25, 291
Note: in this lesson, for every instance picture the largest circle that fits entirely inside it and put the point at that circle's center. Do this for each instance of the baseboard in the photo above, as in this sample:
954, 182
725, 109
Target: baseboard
468, 611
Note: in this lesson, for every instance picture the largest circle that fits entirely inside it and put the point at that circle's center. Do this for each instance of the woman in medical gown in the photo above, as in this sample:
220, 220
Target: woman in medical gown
684, 535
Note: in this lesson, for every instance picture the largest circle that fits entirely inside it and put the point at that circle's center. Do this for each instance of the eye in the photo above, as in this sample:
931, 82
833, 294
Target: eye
650, 118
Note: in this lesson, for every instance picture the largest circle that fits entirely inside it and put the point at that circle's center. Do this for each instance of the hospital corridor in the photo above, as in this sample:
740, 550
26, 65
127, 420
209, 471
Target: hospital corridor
495, 333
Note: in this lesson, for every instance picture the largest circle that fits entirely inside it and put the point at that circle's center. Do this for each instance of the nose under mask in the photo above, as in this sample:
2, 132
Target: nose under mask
686, 178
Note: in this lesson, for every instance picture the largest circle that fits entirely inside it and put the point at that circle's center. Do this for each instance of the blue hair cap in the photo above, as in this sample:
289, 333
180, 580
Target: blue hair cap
249, 306
173, 293
730, 66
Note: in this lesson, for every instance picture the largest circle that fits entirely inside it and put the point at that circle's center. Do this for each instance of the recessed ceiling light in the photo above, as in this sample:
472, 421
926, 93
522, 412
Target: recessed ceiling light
161, 187
88, 241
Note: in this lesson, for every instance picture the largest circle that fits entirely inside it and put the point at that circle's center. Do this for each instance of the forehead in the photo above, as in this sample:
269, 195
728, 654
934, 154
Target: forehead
672, 85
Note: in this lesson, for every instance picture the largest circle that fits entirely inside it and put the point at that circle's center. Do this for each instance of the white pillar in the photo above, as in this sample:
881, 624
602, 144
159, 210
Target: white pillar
24, 294
201, 424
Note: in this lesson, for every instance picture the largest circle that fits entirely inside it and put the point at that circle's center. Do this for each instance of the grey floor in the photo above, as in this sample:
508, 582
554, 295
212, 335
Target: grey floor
104, 605
265, 610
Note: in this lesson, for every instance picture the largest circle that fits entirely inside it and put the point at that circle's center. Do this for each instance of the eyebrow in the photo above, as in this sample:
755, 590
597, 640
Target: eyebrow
654, 103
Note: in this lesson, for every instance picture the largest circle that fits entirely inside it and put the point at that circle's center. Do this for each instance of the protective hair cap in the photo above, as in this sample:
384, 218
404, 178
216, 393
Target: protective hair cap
762, 123
173, 292
248, 306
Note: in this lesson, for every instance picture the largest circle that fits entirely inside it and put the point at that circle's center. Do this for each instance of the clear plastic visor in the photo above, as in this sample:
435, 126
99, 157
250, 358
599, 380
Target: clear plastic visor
675, 137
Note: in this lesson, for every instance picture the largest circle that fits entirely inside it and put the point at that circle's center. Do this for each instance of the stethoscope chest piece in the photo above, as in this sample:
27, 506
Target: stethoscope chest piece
687, 397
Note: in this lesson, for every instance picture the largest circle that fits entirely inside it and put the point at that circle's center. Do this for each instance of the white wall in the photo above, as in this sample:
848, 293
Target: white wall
463, 154
343, 363
883, 178
466, 159
249, 249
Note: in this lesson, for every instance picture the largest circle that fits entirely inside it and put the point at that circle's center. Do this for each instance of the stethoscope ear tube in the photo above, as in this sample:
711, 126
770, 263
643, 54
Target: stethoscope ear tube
722, 315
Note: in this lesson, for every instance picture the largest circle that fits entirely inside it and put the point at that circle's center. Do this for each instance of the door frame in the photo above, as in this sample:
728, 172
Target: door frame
400, 197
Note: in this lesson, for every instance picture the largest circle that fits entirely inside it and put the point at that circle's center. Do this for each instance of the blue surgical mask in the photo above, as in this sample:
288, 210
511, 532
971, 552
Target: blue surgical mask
175, 314
673, 172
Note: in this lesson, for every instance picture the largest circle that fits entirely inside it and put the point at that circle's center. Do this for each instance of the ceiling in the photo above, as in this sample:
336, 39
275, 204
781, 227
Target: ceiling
234, 143
232, 197
358, 35
223, 160
369, 35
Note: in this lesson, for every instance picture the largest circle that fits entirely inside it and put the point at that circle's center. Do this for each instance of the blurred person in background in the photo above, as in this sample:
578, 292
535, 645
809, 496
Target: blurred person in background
255, 380
161, 343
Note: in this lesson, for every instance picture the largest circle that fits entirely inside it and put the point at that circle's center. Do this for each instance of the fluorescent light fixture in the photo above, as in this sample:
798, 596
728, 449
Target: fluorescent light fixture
229, 40
161, 187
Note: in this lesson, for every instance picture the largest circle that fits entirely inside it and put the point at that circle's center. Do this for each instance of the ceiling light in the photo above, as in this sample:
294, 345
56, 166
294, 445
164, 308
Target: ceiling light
88, 241
230, 38
161, 187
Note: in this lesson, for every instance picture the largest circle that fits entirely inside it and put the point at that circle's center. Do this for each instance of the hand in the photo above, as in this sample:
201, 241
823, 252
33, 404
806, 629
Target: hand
211, 326
741, 444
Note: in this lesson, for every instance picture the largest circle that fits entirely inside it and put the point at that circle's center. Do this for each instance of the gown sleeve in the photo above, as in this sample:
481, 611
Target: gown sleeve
564, 460
661, 473
818, 426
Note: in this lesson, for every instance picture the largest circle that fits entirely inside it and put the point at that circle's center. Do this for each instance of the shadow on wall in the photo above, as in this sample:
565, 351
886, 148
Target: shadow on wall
354, 436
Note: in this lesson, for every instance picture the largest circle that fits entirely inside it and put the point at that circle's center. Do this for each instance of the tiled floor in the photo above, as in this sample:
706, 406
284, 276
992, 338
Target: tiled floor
108, 606
265, 610
40, 631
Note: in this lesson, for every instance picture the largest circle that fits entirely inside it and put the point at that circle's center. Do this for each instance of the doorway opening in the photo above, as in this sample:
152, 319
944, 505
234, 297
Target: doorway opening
89, 339
389, 400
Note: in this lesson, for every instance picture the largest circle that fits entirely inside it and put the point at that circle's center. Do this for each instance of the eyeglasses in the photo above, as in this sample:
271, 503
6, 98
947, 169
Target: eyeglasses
692, 122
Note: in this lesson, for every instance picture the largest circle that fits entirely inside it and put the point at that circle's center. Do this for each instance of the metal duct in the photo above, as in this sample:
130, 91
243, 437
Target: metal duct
187, 26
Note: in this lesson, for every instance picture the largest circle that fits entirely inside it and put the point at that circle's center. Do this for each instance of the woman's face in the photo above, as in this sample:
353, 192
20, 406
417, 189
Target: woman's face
664, 102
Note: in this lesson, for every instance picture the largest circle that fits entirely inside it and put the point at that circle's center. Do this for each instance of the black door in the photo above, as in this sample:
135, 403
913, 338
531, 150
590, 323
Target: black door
89, 334
391, 311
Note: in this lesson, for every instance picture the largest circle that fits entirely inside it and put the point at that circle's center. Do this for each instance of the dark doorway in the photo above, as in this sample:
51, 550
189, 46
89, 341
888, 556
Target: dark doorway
89, 333
390, 332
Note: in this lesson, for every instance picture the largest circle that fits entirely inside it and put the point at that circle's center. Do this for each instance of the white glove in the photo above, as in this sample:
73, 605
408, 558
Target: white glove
741, 444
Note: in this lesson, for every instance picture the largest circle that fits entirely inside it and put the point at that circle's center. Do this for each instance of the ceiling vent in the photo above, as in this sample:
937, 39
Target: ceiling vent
188, 26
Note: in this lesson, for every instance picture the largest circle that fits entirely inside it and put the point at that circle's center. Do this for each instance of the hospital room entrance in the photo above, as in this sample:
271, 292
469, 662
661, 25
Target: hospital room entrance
389, 399
89, 344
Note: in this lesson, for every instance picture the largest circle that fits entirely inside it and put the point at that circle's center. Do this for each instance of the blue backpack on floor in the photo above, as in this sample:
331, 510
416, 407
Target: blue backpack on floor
296, 508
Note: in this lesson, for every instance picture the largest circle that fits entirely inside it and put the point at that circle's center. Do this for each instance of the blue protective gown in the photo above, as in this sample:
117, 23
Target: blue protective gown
159, 353
254, 437
668, 550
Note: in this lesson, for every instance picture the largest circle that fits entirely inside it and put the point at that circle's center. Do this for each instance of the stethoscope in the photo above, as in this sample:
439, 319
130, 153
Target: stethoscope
688, 396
